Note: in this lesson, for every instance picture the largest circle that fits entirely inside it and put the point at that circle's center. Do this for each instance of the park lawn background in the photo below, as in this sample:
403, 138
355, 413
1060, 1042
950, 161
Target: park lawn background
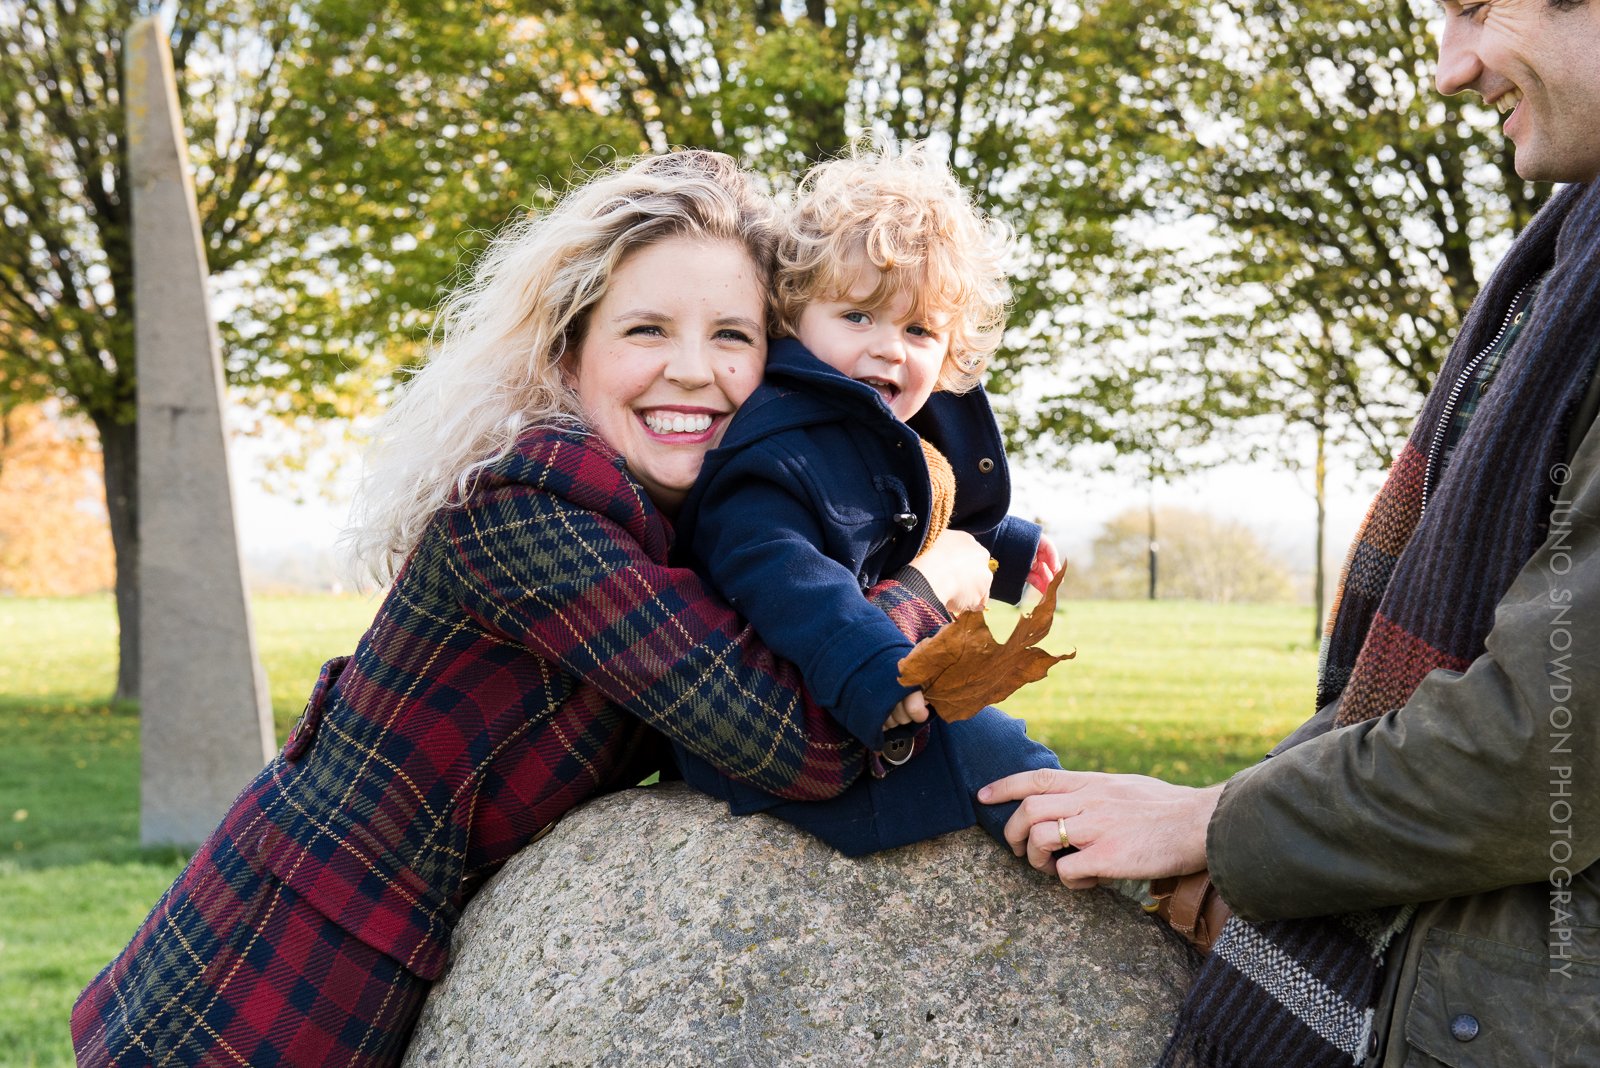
1187, 691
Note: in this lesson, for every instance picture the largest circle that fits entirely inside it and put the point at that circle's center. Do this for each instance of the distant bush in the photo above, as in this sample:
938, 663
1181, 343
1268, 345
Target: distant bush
1200, 557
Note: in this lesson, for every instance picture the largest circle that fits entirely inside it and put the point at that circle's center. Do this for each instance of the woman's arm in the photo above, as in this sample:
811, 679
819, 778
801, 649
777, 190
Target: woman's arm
573, 586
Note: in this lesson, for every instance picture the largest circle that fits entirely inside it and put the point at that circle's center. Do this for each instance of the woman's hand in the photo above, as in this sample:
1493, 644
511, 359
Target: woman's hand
1123, 826
957, 568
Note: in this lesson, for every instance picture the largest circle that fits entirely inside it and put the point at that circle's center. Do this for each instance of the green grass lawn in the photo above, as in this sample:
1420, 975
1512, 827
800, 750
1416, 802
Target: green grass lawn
1187, 691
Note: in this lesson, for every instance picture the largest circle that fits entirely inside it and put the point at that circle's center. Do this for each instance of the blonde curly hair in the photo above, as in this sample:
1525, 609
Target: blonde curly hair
496, 364
900, 209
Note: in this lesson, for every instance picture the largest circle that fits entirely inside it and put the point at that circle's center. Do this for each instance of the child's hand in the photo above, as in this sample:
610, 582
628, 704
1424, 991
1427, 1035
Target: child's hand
1046, 562
911, 709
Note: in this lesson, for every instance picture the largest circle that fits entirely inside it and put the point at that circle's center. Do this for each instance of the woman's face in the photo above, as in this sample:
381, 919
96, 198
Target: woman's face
673, 348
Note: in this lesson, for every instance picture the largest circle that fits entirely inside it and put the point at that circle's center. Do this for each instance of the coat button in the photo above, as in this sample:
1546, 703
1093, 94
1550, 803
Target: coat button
1464, 1028
906, 520
985, 465
897, 751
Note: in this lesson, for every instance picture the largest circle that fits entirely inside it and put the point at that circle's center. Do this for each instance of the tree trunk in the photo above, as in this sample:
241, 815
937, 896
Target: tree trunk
119, 451
1150, 541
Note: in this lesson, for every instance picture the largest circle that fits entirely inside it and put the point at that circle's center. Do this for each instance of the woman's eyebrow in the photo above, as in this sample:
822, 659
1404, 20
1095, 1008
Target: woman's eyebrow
648, 314
741, 321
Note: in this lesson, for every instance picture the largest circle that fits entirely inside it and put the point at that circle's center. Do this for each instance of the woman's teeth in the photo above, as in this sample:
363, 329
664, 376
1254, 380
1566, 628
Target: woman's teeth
677, 423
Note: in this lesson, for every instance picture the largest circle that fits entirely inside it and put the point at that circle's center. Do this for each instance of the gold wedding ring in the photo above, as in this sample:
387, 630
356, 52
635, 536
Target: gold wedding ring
1061, 829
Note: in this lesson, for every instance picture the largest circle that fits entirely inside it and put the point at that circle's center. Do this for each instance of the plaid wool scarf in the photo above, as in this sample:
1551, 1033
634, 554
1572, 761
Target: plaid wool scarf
1433, 557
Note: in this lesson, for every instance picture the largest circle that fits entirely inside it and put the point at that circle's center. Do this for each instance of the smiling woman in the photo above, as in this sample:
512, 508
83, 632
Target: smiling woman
535, 649
673, 348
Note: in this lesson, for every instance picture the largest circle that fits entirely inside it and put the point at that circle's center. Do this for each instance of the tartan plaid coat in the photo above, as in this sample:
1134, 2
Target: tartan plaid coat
532, 652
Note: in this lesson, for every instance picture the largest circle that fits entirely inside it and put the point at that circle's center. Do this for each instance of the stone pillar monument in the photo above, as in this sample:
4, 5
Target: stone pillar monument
205, 723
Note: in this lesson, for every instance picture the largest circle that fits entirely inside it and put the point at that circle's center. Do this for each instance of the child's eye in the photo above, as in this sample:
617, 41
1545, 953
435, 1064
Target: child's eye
856, 317
918, 330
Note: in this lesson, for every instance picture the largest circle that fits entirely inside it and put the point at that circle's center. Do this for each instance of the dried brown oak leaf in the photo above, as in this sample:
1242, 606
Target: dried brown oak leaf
962, 668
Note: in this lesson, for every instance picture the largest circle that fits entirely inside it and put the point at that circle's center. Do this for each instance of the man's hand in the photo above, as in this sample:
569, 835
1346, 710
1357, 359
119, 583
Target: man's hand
1122, 826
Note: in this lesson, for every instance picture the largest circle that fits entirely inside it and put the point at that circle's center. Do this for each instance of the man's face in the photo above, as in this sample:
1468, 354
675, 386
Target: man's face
1537, 64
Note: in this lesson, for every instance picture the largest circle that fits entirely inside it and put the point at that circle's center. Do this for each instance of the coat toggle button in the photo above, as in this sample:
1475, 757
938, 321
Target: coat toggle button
1464, 1028
906, 520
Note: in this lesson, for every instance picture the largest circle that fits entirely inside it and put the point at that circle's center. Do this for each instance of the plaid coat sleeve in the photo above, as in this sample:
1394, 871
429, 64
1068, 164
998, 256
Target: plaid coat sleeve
560, 552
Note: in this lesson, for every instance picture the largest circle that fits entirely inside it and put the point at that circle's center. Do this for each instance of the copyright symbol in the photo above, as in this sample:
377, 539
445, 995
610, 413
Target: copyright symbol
1560, 474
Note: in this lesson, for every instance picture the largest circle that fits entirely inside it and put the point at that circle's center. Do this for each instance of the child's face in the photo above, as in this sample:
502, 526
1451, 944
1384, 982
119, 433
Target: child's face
886, 348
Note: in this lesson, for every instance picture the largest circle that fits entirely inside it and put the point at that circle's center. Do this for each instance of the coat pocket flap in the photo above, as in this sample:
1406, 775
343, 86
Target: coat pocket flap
365, 891
304, 731
1482, 1004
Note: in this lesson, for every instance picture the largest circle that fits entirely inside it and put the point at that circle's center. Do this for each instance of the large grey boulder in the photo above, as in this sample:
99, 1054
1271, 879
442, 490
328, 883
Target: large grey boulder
652, 928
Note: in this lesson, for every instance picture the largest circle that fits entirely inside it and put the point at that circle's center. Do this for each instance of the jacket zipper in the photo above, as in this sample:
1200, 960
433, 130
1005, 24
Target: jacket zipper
1450, 402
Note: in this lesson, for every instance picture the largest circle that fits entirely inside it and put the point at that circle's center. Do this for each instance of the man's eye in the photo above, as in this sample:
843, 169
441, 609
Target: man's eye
1470, 10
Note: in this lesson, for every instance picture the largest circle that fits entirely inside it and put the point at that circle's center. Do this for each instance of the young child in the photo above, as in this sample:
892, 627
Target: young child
868, 437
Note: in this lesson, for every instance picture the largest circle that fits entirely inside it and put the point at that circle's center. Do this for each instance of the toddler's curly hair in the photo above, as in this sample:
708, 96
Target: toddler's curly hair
900, 209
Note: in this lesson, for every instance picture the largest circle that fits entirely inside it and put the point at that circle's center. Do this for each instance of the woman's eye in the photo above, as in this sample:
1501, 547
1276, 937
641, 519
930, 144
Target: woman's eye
644, 330
730, 334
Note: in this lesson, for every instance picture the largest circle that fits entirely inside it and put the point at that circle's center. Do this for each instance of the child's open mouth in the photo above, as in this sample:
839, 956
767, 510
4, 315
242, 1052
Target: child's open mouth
886, 389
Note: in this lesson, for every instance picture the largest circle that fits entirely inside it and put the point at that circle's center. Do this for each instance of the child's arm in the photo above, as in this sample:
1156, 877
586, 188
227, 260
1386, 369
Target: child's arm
759, 538
1015, 544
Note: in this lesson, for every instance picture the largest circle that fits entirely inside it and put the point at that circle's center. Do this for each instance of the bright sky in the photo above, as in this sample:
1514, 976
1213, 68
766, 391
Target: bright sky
1073, 504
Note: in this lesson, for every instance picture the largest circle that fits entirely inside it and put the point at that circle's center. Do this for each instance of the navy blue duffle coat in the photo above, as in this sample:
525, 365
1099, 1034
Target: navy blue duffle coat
815, 494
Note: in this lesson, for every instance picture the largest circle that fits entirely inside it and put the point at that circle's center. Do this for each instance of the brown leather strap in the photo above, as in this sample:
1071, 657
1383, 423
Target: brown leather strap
1192, 906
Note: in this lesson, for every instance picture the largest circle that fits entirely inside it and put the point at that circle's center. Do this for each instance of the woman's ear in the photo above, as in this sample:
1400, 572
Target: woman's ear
567, 358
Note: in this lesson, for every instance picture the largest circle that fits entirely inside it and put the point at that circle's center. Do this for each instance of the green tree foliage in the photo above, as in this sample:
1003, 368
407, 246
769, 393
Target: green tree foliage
1336, 213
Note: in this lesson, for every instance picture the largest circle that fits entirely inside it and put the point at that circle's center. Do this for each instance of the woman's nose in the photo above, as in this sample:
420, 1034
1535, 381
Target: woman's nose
690, 366
1459, 67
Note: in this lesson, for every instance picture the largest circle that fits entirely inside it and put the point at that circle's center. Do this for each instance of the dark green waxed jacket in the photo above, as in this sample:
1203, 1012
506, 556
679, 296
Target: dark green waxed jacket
1481, 799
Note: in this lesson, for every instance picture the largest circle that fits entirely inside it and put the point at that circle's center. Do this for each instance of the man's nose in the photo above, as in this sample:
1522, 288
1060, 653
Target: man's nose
1459, 68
